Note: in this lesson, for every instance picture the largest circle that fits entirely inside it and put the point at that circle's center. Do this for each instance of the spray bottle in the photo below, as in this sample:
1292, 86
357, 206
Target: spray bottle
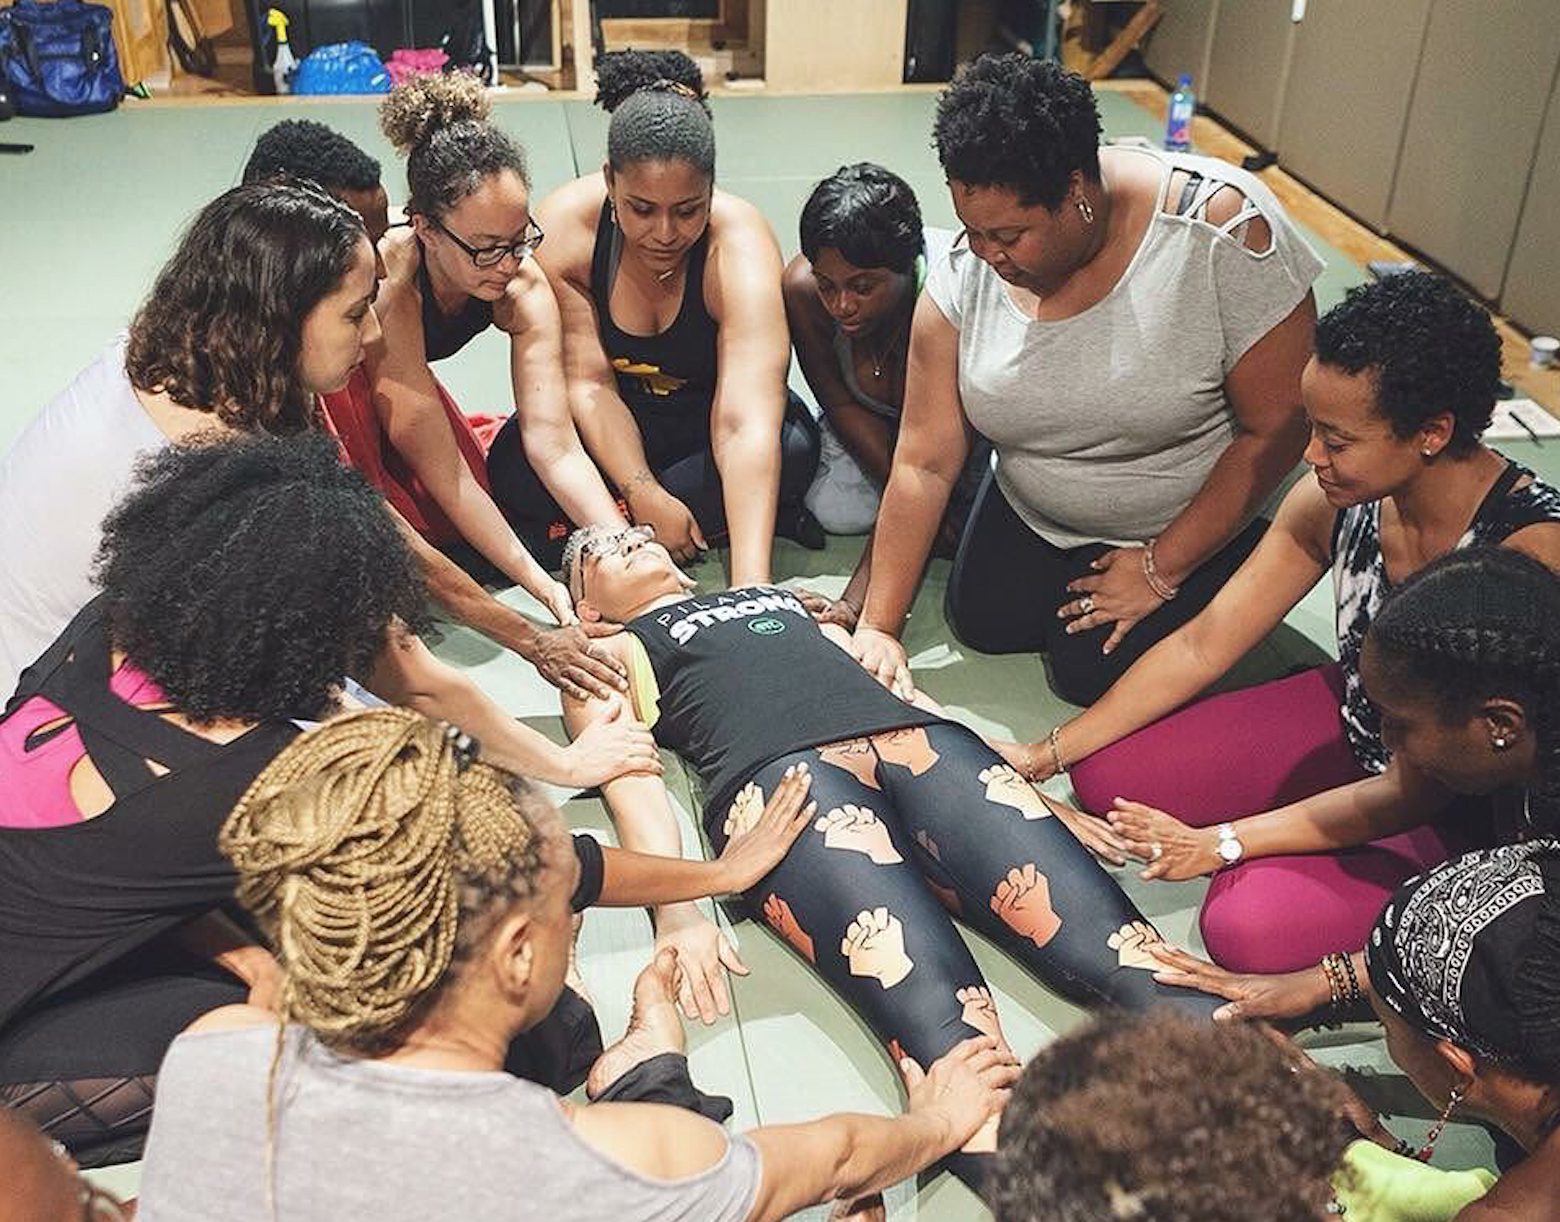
283, 66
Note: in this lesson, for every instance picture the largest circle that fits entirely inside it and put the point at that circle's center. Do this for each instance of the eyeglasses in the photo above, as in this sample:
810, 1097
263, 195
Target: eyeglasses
492, 256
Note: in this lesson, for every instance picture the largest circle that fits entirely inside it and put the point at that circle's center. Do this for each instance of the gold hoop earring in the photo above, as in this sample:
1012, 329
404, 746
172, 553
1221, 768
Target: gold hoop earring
1086, 210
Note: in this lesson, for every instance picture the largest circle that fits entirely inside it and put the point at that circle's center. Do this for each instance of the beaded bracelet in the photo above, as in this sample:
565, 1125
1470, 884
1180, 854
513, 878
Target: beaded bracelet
1054, 738
1355, 993
1162, 589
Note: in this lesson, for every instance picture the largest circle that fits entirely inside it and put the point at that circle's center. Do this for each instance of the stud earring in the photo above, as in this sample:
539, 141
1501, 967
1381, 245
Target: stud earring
1428, 452
1499, 741
1086, 210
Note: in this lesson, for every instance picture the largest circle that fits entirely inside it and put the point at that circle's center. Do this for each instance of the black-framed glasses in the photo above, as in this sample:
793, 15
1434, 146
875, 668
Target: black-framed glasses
492, 256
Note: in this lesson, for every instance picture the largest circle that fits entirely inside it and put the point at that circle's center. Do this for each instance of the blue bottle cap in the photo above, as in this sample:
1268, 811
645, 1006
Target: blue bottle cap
1184, 81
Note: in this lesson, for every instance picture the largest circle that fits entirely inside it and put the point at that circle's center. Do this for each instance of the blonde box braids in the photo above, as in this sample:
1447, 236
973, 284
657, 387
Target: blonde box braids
368, 850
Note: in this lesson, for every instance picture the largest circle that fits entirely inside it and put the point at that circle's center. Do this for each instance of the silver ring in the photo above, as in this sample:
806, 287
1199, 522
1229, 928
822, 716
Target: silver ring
1086, 604
1155, 851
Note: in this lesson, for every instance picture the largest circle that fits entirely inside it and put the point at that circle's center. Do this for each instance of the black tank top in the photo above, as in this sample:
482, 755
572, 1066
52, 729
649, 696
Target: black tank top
75, 898
667, 380
746, 677
446, 334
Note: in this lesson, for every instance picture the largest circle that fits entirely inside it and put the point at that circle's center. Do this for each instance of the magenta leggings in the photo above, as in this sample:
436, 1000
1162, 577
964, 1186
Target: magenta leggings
1247, 751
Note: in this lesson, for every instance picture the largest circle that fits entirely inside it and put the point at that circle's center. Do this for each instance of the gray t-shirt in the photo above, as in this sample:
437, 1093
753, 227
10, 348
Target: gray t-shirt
364, 1139
1107, 423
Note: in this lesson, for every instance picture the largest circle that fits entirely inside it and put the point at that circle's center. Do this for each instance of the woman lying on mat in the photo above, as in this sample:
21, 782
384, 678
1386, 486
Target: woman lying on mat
674, 332
1462, 664
241, 580
917, 818
389, 1046
848, 299
1264, 785
302, 149
1128, 328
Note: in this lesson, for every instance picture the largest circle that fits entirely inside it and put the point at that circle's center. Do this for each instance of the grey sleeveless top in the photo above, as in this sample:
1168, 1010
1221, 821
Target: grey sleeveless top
1360, 584
365, 1139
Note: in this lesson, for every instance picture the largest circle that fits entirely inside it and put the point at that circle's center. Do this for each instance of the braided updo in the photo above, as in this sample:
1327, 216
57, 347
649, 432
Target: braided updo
439, 123
1480, 622
660, 110
374, 859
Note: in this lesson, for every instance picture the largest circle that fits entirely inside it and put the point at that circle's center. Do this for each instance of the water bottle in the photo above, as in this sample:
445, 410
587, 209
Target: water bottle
1178, 122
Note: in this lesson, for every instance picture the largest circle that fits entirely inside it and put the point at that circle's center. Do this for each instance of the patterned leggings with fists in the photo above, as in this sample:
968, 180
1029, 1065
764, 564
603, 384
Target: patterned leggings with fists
915, 825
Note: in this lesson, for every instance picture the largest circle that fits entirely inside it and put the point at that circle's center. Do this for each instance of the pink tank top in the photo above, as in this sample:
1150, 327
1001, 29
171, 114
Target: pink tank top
35, 775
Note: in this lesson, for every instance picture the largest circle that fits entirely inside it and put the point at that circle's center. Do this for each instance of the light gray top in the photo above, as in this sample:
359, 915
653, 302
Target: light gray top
58, 481
1107, 423
365, 1139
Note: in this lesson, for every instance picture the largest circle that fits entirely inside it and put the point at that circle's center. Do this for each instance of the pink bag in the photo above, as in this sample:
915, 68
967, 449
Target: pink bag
406, 62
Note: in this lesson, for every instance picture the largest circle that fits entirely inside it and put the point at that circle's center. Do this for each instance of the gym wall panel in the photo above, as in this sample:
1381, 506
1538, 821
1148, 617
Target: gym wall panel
1473, 126
1250, 60
1351, 76
1182, 39
1532, 293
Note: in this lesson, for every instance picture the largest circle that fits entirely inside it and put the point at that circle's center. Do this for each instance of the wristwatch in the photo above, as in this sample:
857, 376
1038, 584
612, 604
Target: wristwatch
1230, 848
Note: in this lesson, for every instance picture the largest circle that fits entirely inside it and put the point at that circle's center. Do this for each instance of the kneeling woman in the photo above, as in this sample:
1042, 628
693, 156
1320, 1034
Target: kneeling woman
674, 338
748, 686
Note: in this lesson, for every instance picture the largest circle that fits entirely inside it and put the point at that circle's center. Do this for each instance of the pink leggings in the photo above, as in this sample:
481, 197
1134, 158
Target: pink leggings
1242, 752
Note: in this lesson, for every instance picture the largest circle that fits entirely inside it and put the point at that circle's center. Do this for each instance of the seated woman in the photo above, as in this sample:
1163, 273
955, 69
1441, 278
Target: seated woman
241, 580
1475, 1029
263, 306
674, 336
303, 149
1264, 785
848, 299
1128, 328
463, 265
1087, 1135
422, 896
1461, 664
746, 685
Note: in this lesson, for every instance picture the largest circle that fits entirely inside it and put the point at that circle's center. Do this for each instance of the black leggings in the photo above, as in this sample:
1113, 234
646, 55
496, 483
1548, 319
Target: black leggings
1008, 582
684, 464
914, 825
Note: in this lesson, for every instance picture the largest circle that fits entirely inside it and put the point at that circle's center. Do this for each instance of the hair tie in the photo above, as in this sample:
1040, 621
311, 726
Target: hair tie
465, 747
670, 86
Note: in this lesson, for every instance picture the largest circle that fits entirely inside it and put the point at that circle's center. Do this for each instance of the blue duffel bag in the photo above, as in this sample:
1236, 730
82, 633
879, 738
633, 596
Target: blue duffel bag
341, 67
58, 58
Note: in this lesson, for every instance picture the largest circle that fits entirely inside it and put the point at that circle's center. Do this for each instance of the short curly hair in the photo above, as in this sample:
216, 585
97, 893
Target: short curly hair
659, 107
1430, 347
222, 329
869, 214
1160, 1119
248, 574
302, 148
1020, 123
438, 121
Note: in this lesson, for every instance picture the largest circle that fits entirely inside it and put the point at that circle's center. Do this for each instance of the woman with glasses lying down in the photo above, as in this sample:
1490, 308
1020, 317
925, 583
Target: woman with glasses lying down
917, 818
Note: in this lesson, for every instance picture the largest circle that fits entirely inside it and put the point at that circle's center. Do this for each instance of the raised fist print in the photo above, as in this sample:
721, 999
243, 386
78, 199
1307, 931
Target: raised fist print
1023, 901
1132, 945
909, 748
746, 809
856, 756
783, 921
875, 946
980, 1011
1005, 785
858, 830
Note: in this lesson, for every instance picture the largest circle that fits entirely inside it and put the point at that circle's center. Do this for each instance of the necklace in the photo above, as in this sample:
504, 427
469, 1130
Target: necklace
879, 358
663, 277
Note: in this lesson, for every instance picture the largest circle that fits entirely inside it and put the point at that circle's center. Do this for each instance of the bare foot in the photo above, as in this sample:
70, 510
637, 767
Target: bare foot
866, 1209
654, 1027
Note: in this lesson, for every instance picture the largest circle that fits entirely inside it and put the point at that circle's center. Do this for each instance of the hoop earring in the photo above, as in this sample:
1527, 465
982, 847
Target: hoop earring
1452, 1102
1086, 210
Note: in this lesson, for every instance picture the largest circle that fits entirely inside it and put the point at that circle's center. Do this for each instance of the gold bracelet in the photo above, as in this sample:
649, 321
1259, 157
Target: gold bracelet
1054, 738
